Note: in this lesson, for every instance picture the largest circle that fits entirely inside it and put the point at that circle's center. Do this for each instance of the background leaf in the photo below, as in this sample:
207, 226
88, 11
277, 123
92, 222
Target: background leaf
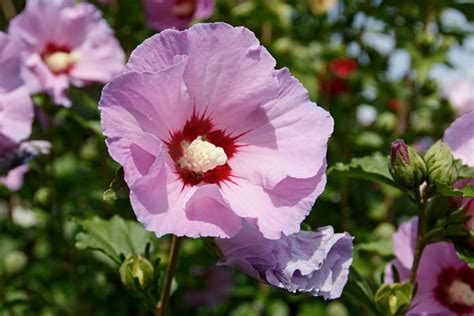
466, 192
372, 168
115, 237
118, 188
466, 254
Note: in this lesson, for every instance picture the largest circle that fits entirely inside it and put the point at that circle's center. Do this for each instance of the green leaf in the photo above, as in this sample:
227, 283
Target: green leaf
277, 308
372, 168
115, 237
467, 191
382, 247
465, 254
464, 171
118, 188
358, 291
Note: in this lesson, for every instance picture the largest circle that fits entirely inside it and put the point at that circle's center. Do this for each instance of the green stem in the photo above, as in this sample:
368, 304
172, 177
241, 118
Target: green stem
149, 300
165, 294
420, 236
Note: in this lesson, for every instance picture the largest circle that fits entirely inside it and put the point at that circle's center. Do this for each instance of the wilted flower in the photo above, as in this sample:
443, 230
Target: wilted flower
65, 43
218, 284
210, 134
460, 93
14, 157
163, 14
311, 262
445, 283
406, 165
460, 137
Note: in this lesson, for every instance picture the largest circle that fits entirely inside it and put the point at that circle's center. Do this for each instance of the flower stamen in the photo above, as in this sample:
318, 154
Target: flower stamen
461, 293
60, 61
201, 156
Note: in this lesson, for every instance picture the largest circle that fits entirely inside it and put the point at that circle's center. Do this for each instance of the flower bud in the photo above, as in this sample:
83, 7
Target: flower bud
394, 299
136, 273
406, 165
440, 164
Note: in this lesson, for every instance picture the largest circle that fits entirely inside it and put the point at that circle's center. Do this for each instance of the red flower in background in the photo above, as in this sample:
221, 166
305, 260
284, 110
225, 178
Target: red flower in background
333, 86
342, 67
335, 83
394, 104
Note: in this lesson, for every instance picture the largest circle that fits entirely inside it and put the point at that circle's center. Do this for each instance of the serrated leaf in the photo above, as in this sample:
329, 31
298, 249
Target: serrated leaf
115, 237
373, 168
465, 254
118, 188
467, 191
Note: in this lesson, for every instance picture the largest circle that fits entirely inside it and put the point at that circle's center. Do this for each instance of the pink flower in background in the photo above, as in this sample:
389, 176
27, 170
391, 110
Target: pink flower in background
163, 14
460, 137
13, 180
310, 262
16, 112
14, 157
445, 283
210, 135
16, 108
16, 118
466, 203
65, 44
460, 93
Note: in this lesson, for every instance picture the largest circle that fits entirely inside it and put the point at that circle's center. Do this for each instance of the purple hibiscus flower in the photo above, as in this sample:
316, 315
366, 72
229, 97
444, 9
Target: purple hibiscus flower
210, 135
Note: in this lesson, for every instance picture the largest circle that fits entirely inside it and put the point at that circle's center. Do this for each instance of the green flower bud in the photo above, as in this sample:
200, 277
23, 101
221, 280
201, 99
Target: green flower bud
394, 299
440, 164
136, 273
406, 166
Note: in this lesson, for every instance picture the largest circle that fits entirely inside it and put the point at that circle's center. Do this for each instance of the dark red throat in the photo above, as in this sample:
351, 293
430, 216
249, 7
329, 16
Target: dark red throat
195, 126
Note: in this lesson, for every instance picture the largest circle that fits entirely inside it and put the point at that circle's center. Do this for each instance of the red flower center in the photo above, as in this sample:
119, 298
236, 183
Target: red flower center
201, 128
59, 58
184, 9
455, 289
